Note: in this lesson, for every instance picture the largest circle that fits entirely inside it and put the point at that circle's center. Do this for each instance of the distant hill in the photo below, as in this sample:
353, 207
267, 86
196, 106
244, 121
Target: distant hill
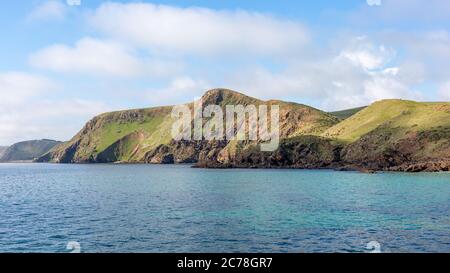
27, 150
344, 114
393, 135
2, 150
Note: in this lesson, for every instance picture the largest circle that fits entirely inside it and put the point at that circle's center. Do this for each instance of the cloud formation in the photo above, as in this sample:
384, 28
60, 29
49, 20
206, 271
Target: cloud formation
16, 87
26, 114
48, 10
51, 119
201, 31
357, 75
374, 2
444, 91
366, 55
378, 12
181, 89
91, 56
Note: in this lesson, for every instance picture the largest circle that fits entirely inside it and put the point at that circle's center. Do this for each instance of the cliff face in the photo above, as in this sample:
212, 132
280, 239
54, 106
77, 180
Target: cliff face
27, 150
387, 135
301, 152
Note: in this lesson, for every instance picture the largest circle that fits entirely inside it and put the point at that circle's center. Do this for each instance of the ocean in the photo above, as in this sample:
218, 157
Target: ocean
176, 208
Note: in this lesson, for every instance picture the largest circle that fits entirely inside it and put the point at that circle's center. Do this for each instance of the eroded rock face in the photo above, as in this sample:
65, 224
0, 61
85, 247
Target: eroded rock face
428, 166
300, 152
305, 152
128, 145
185, 151
157, 155
413, 152
372, 152
60, 156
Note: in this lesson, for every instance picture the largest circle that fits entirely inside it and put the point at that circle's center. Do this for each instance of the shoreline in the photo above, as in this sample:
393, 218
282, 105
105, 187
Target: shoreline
337, 168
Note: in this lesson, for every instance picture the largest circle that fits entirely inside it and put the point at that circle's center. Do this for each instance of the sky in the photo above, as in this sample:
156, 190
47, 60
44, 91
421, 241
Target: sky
63, 62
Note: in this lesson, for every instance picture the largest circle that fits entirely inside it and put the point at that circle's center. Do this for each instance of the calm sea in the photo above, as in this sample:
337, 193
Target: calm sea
154, 208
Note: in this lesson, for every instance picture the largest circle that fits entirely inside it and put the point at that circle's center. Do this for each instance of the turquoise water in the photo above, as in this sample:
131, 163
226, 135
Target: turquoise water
152, 208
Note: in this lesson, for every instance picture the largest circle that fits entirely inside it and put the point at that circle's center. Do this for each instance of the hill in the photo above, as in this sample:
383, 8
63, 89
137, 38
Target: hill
27, 150
409, 115
393, 135
396, 135
133, 135
345, 114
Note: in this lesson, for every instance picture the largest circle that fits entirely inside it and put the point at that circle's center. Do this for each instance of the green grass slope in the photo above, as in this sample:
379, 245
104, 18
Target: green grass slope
104, 131
410, 115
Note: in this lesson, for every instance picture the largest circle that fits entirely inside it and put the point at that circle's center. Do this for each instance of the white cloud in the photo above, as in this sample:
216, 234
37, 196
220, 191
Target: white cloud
180, 90
357, 75
402, 11
25, 114
387, 86
100, 57
432, 44
444, 91
374, 2
48, 10
425, 53
52, 119
371, 87
262, 83
363, 53
90, 56
15, 87
391, 71
202, 31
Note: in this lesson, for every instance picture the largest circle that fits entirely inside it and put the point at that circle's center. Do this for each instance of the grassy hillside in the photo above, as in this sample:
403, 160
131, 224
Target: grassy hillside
127, 136
27, 150
392, 133
96, 141
345, 114
410, 115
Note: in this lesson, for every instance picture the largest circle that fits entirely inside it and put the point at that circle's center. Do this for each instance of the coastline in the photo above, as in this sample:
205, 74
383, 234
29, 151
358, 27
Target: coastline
417, 167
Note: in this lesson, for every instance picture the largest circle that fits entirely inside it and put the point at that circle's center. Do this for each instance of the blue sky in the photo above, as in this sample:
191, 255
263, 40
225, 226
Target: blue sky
62, 64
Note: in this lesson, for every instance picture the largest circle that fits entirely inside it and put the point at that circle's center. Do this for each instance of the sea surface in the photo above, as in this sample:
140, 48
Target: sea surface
163, 208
